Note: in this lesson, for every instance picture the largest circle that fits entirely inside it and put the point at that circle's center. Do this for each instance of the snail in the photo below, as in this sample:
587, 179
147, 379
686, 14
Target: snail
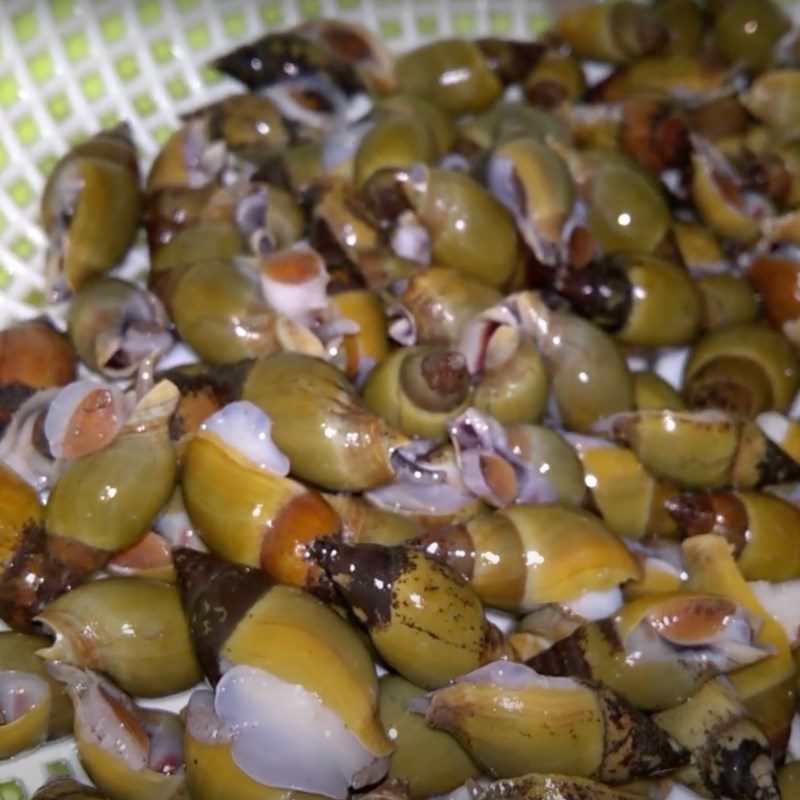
266, 647
97, 177
513, 721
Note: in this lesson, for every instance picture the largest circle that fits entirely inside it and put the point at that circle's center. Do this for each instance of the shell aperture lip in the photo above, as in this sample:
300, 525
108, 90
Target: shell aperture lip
246, 428
284, 736
19, 693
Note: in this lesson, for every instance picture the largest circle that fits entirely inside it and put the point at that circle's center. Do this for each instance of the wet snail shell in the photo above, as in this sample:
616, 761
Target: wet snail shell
98, 176
431, 762
308, 401
418, 389
734, 37
420, 72
781, 430
633, 652
788, 779
775, 277
218, 310
427, 642
744, 369
515, 463
727, 299
83, 417
556, 79
698, 248
211, 772
131, 753
151, 557
662, 569
132, 629
33, 355
655, 132
586, 370
527, 555
440, 197
629, 498
429, 489
535, 184
715, 727
203, 390
18, 655
677, 74
267, 217
212, 241
395, 143
512, 385
344, 221
188, 159
627, 208
102, 502
107, 499
718, 196
26, 707
436, 120
20, 522
550, 787
271, 58
117, 327
505, 122
767, 688
617, 34
245, 508
357, 46
276, 645
513, 721
173, 209
628, 294
34, 705
650, 391
762, 529
360, 351
363, 522
441, 300
702, 449
251, 126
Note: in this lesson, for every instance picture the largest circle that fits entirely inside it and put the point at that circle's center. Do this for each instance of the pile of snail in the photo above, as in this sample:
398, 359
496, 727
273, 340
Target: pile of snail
425, 304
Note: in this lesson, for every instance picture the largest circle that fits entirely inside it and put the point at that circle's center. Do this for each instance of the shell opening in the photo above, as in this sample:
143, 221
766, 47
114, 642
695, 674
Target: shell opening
204, 160
284, 736
294, 282
594, 605
19, 693
492, 467
83, 417
22, 447
701, 630
247, 429
411, 240
110, 720
421, 487
67, 190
